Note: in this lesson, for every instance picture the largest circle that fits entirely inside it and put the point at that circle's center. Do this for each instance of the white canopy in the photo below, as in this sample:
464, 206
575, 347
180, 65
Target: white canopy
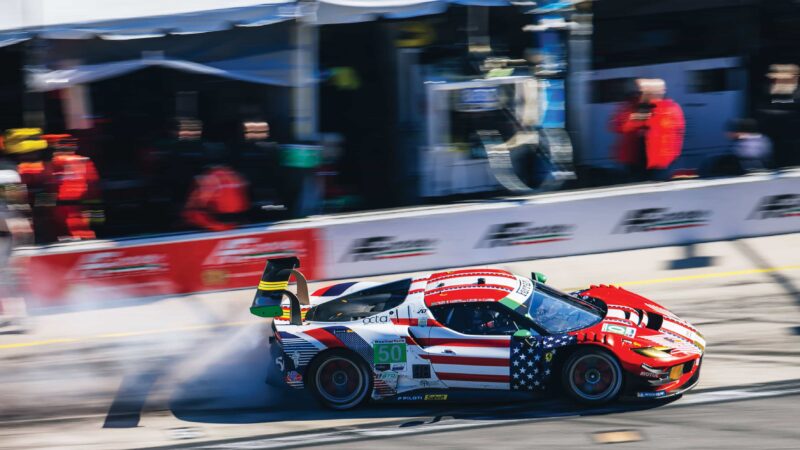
349, 11
131, 19
134, 19
19, 14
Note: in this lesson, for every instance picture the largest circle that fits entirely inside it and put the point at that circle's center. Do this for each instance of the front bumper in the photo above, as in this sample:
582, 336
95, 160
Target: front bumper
640, 389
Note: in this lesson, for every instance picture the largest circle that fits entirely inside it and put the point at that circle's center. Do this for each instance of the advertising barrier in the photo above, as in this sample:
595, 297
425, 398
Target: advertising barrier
417, 239
155, 267
566, 224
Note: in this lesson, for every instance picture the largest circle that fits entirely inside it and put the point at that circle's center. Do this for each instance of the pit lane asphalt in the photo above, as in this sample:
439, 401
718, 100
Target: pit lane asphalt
189, 370
759, 423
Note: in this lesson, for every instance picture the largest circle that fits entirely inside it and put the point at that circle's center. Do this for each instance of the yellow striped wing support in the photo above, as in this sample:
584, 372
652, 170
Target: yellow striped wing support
273, 285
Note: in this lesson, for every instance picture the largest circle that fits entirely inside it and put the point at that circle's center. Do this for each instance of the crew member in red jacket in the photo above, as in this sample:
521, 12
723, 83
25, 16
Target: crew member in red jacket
218, 200
77, 189
651, 128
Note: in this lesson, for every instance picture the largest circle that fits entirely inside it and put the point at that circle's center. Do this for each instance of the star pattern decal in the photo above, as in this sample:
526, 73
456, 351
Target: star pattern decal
531, 361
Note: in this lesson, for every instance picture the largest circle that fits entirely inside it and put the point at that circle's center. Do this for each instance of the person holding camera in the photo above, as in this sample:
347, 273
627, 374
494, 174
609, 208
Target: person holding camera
651, 128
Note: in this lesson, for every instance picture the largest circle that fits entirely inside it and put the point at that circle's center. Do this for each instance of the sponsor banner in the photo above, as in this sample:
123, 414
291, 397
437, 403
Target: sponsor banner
561, 224
541, 226
142, 269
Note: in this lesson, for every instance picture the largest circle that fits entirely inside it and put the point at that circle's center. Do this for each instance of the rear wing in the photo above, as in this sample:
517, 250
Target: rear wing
274, 286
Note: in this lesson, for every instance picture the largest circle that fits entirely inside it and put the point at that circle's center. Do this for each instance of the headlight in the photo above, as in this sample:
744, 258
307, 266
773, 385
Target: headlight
654, 352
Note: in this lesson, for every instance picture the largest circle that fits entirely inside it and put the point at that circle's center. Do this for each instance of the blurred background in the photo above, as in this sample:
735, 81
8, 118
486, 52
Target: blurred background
153, 155
331, 106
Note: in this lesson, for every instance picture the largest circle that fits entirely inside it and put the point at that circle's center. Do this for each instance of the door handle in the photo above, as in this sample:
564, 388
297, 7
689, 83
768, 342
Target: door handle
448, 351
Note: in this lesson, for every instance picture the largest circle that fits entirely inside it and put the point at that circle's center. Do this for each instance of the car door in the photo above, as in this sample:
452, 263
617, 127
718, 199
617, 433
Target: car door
471, 347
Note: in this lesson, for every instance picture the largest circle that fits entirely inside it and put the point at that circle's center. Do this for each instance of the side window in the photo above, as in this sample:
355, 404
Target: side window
477, 319
361, 304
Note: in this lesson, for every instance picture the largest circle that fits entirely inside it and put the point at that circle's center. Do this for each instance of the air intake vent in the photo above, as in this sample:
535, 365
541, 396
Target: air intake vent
654, 321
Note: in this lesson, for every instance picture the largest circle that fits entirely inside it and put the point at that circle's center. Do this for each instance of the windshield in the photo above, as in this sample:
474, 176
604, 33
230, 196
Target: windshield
558, 312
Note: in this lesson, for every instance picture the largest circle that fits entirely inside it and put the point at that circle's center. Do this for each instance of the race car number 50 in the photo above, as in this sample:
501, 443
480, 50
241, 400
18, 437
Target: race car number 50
389, 352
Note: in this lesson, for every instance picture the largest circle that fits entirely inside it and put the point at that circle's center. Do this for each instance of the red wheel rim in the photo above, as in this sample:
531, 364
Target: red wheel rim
593, 377
339, 380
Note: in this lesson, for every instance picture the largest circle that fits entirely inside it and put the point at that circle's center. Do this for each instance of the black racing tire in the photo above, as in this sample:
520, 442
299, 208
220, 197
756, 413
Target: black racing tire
339, 379
592, 376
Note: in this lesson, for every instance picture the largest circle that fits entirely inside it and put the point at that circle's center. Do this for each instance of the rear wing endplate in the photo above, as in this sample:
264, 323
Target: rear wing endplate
274, 285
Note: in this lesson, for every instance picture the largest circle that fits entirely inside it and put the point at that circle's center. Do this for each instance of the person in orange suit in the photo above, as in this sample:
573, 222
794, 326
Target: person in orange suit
77, 189
218, 199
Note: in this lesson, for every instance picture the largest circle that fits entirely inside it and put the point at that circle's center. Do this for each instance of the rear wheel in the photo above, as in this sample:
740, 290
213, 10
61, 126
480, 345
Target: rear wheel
592, 376
340, 380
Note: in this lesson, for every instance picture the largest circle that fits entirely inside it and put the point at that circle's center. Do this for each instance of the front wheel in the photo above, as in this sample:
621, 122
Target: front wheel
592, 376
340, 380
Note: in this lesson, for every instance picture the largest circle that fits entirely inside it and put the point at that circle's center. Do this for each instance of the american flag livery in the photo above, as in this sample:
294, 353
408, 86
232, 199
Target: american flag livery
434, 335
473, 367
297, 354
532, 359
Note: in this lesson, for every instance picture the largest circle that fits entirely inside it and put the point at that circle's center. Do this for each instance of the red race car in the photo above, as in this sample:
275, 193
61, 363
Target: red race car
426, 338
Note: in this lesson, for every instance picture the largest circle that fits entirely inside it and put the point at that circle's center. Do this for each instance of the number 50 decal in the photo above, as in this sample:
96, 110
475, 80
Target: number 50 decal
389, 352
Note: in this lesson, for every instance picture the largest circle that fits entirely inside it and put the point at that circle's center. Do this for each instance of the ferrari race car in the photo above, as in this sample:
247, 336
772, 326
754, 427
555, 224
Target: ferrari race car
424, 338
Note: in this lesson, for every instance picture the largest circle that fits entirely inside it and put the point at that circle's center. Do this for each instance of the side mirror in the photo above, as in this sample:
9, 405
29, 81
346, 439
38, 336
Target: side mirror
522, 334
539, 276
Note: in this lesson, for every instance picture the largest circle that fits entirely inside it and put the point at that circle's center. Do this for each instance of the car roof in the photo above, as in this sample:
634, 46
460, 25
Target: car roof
469, 286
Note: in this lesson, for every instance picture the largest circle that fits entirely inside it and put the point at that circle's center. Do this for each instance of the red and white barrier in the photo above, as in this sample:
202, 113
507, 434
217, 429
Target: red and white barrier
416, 239
154, 267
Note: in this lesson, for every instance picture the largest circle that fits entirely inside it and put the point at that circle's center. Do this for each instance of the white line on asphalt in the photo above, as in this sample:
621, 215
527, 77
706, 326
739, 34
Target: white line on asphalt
330, 437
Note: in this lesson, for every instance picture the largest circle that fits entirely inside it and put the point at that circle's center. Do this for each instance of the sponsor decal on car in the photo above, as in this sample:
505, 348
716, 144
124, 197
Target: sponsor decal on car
776, 207
619, 329
524, 233
659, 219
435, 397
386, 382
647, 374
389, 352
525, 288
388, 376
652, 394
375, 320
293, 376
388, 247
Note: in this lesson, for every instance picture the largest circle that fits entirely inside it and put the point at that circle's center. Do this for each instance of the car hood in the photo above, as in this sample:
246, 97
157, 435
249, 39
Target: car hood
644, 323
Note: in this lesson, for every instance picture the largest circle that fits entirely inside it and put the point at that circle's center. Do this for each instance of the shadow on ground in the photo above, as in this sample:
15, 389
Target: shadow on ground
229, 386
